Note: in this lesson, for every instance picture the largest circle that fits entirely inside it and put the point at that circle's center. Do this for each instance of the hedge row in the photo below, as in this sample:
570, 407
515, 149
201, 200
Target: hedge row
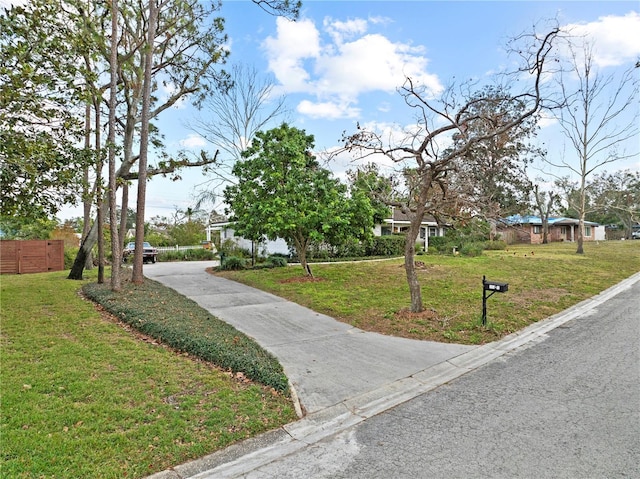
231, 263
463, 246
179, 322
390, 245
187, 255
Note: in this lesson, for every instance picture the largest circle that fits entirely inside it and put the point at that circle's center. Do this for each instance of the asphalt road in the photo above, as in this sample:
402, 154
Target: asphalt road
564, 407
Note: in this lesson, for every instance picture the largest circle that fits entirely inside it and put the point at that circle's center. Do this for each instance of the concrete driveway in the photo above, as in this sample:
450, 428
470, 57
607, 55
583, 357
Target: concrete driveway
344, 376
326, 361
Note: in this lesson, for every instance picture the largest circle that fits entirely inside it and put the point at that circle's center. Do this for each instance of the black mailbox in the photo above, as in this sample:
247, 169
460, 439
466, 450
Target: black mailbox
495, 286
492, 287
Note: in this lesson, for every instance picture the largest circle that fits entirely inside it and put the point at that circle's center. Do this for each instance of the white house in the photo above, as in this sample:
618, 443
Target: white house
265, 248
399, 223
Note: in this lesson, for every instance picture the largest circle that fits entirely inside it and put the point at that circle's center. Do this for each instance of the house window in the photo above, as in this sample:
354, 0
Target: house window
422, 233
433, 231
385, 231
563, 230
587, 230
537, 229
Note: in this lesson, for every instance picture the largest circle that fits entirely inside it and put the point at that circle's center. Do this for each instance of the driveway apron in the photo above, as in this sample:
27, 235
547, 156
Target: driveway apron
326, 361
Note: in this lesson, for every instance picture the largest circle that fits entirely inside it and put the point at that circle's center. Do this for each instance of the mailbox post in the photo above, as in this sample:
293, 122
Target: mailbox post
492, 287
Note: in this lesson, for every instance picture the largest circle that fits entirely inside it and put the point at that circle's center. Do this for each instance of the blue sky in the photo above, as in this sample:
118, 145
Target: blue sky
342, 62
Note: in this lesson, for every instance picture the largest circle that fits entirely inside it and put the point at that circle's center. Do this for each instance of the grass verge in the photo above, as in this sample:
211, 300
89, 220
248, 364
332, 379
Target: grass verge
180, 323
83, 397
543, 280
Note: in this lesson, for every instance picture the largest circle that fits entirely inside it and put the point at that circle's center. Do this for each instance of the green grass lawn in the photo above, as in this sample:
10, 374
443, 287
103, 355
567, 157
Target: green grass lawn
82, 396
543, 280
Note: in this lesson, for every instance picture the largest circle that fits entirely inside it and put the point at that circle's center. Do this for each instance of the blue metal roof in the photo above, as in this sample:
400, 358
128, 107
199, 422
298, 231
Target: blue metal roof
536, 220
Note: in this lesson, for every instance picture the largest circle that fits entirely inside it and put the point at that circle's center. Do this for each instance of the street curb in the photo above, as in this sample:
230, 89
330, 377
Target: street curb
335, 419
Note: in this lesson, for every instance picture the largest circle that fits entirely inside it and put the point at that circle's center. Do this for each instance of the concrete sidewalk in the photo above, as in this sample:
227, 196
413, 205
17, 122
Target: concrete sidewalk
342, 375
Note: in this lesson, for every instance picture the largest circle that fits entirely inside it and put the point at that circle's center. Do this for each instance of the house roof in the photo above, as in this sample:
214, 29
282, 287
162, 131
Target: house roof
536, 220
400, 217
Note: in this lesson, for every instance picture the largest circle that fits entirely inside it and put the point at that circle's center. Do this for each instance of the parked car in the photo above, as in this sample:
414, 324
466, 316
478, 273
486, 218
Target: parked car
635, 234
149, 253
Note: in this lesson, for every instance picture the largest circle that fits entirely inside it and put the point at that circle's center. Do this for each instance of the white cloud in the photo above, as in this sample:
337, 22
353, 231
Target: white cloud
616, 39
296, 41
193, 141
341, 63
340, 30
327, 110
372, 63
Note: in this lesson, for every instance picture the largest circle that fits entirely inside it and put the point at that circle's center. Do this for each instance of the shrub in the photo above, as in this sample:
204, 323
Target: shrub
389, 245
471, 249
199, 254
230, 263
277, 261
319, 252
229, 248
180, 323
443, 244
350, 248
495, 245
70, 256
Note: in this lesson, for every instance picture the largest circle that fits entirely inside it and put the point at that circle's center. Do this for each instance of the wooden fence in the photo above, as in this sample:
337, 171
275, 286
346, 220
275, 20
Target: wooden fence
31, 256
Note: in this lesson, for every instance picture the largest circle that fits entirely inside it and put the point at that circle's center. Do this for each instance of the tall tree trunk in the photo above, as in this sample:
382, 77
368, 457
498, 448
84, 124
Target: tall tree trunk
301, 246
581, 208
87, 245
580, 238
137, 276
409, 260
99, 202
87, 196
116, 250
124, 210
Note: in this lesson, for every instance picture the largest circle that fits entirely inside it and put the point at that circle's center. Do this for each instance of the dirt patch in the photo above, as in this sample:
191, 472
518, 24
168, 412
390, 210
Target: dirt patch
527, 298
405, 314
302, 279
419, 265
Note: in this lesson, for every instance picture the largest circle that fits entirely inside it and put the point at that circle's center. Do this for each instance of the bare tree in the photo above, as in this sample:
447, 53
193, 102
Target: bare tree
232, 118
545, 202
437, 121
593, 120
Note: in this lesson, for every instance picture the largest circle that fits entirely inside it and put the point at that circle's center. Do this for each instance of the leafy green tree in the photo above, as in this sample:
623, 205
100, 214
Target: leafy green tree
616, 198
379, 189
39, 125
187, 234
19, 228
494, 169
283, 192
